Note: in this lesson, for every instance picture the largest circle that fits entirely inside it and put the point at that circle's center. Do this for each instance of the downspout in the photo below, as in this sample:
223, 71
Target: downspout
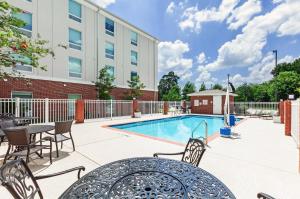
97, 45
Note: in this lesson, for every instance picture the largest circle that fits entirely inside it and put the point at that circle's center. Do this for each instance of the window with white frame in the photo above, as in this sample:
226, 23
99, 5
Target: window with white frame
134, 58
134, 38
74, 11
75, 39
110, 70
133, 75
109, 27
109, 50
75, 67
27, 18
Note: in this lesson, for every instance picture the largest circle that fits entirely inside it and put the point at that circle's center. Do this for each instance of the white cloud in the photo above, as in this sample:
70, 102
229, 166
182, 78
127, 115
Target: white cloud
246, 49
171, 7
260, 72
171, 57
201, 58
277, 1
193, 18
104, 3
241, 15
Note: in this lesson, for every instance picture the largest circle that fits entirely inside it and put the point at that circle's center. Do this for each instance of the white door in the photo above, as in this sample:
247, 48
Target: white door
217, 105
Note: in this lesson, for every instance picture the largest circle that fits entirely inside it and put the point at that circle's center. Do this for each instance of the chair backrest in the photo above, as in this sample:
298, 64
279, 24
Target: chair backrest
17, 178
7, 116
17, 137
63, 127
193, 151
6, 124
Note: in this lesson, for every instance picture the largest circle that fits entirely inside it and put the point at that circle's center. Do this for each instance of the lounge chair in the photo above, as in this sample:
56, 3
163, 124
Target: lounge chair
192, 154
18, 179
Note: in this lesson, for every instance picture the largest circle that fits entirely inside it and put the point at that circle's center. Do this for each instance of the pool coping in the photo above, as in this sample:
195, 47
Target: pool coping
210, 138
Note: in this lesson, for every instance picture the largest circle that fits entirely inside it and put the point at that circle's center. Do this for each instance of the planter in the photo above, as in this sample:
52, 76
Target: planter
137, 114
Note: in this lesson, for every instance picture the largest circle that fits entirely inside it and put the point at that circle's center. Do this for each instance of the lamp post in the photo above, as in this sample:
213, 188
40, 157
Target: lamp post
275, 53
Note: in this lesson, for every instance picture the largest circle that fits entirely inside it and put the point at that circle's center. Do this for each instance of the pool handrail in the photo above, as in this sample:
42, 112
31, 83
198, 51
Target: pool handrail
206, 130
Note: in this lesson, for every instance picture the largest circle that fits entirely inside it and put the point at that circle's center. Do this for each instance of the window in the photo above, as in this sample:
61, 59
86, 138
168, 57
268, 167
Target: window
134, 38
134, 57
109, 27
111, 70
23, 64
75, 68
133, 75
74, 11
21, 94
109, 50
74, 39
29, 0
25, 107
27, 18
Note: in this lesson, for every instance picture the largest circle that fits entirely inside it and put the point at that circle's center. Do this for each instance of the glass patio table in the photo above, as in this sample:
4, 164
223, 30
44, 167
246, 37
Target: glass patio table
148, 178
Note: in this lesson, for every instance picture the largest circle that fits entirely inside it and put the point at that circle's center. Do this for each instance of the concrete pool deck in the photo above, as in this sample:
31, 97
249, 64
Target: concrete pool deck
262, 160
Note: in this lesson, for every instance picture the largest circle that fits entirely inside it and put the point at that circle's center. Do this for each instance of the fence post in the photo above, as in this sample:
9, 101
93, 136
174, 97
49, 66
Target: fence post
281, 111
287, 117
166, 108
111, 107
47, 110
79, 111
17, 108
135, 106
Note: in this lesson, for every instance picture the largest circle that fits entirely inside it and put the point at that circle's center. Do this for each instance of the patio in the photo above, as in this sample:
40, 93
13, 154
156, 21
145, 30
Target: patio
263, 160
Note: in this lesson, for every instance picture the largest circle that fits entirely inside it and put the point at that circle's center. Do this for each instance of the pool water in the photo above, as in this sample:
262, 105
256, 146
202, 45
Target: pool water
178, 129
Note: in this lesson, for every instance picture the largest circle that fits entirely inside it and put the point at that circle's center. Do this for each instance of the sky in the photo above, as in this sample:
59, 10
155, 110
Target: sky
203, 41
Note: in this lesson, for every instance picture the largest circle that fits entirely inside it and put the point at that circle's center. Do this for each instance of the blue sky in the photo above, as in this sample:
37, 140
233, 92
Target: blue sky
204, 40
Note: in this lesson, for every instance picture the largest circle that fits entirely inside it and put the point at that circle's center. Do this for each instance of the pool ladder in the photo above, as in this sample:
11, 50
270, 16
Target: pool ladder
203, 122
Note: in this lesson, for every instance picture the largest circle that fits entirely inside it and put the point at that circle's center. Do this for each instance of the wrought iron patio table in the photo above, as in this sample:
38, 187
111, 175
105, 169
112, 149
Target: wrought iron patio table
155, 178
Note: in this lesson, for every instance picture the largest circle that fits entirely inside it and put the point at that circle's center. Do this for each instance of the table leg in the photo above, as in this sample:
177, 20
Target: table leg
41, 152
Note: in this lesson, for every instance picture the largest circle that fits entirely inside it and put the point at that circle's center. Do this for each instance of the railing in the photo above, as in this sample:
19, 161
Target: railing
206, 130
174, 104
242, 108
151, 107
95, 109
41, 110
295, 121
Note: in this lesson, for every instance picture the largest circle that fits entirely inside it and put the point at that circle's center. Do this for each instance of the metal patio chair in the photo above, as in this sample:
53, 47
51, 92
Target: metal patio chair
18, 179
192, 154
20, 144
62, 128
264, 196
3, 125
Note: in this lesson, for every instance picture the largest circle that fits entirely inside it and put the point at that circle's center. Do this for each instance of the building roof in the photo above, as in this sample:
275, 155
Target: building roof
213, 92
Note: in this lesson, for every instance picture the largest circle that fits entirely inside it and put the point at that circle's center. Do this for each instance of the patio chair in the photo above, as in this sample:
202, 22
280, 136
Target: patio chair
18, 179
20, 145
192, 154
62, 128
264, 196
3, 125
18, 121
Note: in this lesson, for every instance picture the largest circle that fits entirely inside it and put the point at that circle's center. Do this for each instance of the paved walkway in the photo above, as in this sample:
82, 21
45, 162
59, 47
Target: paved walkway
263, 159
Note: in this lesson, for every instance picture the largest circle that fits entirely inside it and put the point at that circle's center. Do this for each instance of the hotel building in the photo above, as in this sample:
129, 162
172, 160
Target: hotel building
95, 38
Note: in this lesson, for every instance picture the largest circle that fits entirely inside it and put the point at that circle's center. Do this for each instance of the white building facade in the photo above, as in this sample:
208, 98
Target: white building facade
95, 38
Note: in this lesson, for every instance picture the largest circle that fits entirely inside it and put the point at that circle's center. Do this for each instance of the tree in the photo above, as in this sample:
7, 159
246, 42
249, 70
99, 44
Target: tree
173, 94
15, 47
104, 83
283, 84
202, 87
244, 93
284, 67
166, 83
135, 85
188, 88
261, 92
217, 86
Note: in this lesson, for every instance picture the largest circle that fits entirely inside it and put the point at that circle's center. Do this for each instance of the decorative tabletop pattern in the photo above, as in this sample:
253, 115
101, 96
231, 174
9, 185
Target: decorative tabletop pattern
155, 178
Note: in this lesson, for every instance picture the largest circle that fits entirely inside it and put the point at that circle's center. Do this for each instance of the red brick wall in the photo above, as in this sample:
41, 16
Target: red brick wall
60, 90
207, 109
202, 109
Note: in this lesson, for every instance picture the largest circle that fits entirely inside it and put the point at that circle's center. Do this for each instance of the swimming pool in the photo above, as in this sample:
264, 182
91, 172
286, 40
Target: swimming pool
178, 129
